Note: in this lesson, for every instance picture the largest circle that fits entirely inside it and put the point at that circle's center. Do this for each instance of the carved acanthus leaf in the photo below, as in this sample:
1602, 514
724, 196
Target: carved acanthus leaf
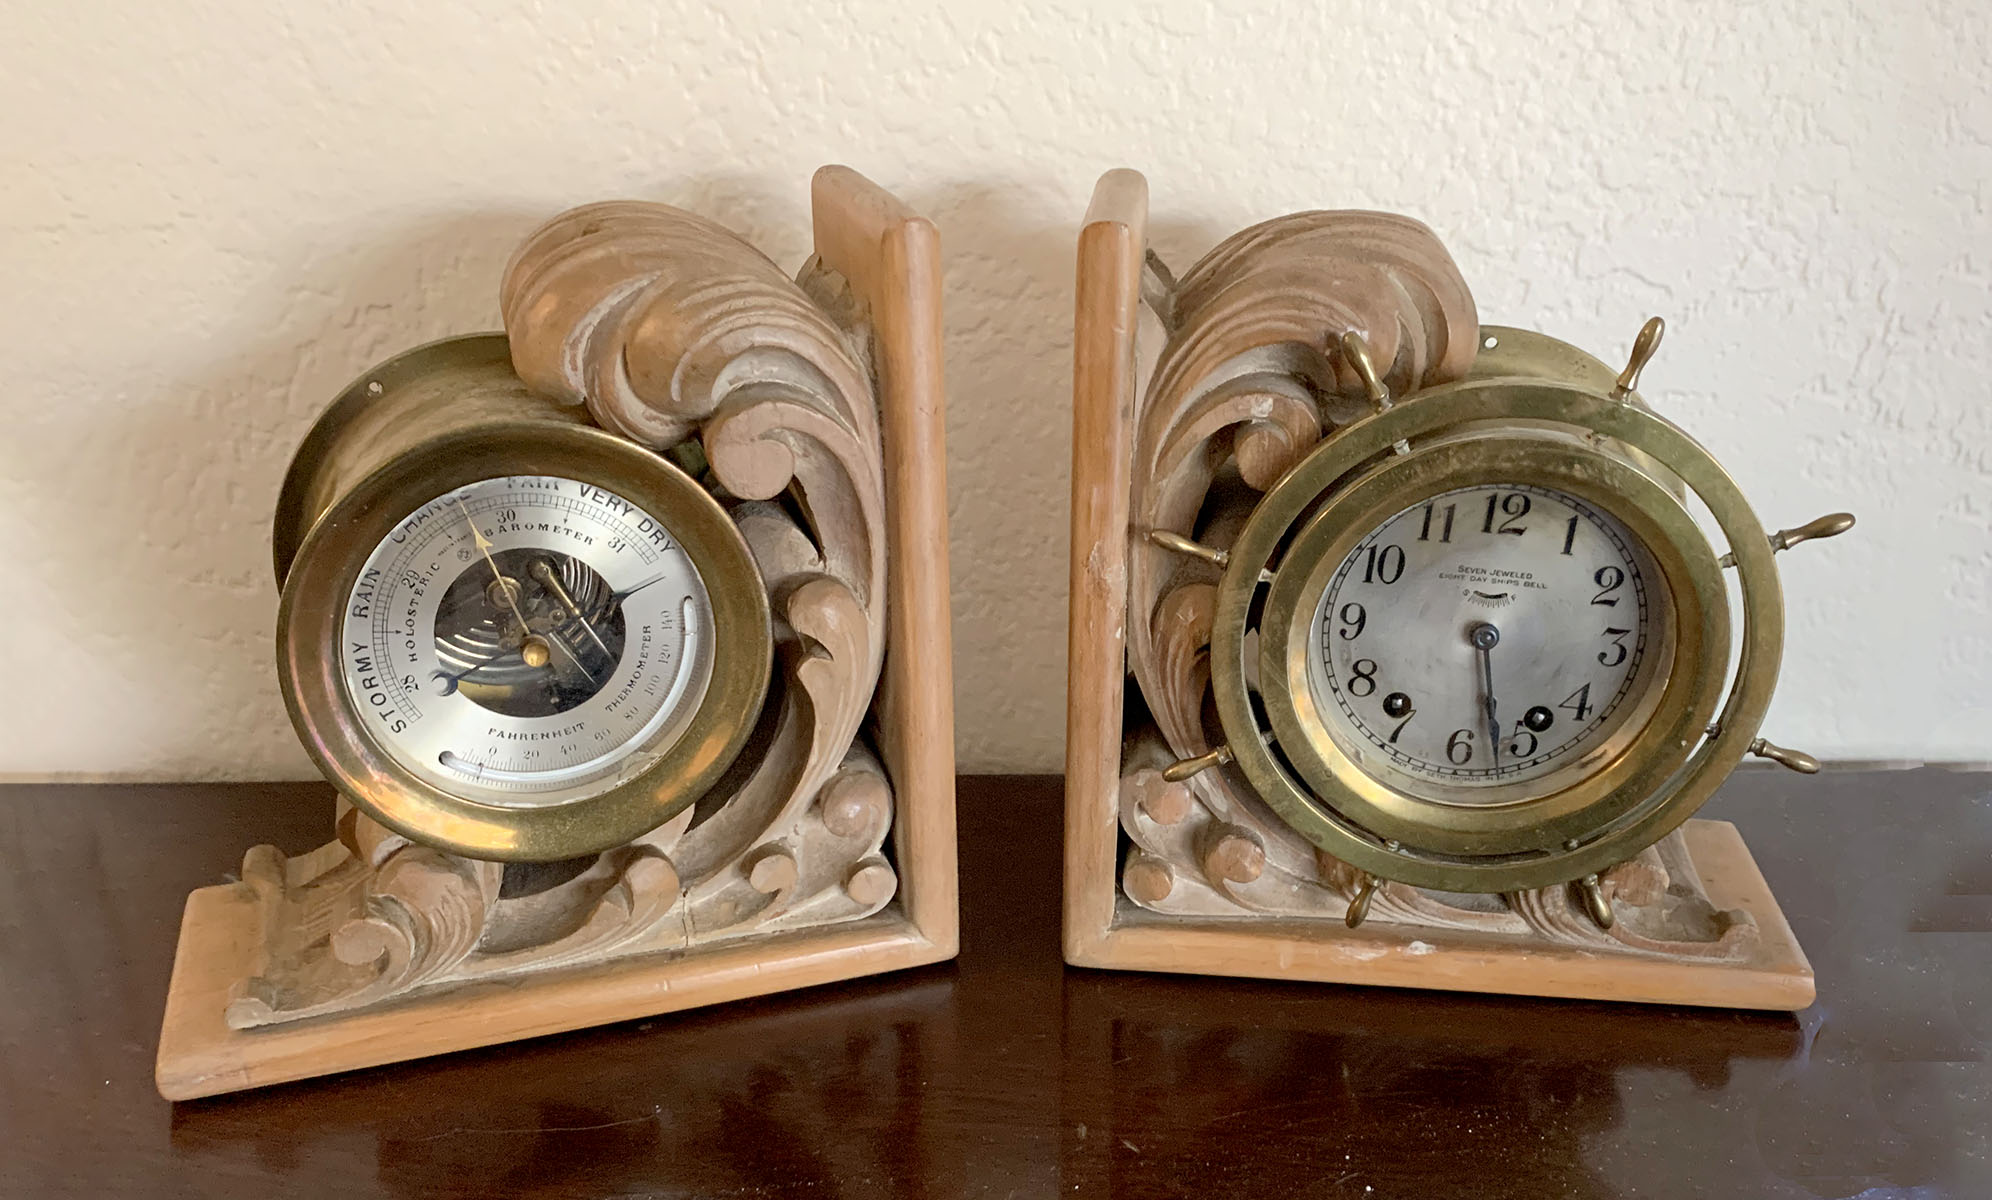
1187, 858
666, 324
1251, 378
1248, 374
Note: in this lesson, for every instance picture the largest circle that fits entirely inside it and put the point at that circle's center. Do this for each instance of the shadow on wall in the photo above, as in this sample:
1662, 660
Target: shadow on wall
1010, 301
1008, 320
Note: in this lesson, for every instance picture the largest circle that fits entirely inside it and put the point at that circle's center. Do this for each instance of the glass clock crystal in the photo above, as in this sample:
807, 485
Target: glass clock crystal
505, 632
1481, 657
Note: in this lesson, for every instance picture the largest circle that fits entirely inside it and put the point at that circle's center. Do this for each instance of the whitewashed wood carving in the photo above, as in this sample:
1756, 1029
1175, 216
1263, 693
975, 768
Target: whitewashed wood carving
668, 328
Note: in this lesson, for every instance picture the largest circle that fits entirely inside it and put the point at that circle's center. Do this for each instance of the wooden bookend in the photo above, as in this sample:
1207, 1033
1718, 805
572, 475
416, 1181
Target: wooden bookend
829, 851
1199, 876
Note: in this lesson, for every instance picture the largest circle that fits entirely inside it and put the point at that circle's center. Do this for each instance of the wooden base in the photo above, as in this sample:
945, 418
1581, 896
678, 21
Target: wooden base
1775, 976
220, 944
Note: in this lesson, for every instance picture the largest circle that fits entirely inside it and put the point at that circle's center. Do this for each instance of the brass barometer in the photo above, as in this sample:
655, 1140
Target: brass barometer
1477, 641
505, 632
626, 639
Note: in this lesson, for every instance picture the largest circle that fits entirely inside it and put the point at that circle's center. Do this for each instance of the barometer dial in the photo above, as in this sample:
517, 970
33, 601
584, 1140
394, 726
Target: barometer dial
515, 640
504, 632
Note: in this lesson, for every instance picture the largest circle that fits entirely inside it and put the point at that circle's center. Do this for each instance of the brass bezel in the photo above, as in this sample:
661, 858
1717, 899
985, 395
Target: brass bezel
683, 761
1671, 709
1655, 785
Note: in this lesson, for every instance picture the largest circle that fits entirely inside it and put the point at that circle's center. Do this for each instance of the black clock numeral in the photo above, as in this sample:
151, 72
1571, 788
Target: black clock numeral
1570, 536
1515, 744
1515, 504
1618, 637
1380, 567
1609, 580
1459, 747
1354, 619
1445, 530
1578, 702
1401, 725
1362, 671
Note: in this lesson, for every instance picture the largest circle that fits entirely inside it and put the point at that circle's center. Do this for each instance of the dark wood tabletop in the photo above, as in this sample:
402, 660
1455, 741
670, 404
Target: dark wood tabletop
1007, 1074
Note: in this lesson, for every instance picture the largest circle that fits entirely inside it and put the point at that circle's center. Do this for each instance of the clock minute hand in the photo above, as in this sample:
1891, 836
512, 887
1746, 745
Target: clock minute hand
1484, 638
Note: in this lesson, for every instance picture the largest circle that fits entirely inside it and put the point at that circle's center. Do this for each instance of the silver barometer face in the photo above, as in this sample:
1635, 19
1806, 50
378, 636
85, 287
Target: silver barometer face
521, 641
1487, 642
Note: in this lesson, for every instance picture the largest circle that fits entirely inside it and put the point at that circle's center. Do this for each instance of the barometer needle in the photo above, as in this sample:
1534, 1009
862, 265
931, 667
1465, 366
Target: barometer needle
560, 643
504, 585
542, 570
616, 598
1484, 638
450, 681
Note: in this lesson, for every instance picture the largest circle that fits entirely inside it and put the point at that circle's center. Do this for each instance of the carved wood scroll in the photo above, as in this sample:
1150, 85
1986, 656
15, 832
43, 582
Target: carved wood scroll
1250, 378
668, 328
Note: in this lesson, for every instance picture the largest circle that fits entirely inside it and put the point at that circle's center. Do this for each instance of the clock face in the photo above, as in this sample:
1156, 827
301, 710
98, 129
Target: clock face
517, 640
1484, 645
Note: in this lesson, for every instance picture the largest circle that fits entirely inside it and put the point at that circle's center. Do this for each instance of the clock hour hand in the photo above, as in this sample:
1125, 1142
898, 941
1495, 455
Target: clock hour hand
1484, 638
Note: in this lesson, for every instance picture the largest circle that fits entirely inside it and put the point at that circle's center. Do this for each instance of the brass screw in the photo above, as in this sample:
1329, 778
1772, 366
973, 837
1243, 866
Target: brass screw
1830, 525
536, 652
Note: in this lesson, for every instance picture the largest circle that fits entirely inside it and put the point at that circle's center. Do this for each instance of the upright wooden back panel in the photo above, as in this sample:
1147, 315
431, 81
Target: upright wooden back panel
1112, 244
892, 257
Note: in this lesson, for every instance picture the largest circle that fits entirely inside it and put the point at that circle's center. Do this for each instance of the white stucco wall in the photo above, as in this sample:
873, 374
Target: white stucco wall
213, 215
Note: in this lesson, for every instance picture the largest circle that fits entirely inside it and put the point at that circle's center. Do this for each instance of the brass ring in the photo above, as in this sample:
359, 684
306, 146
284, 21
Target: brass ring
502, 430
1673, 708
1649, 796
